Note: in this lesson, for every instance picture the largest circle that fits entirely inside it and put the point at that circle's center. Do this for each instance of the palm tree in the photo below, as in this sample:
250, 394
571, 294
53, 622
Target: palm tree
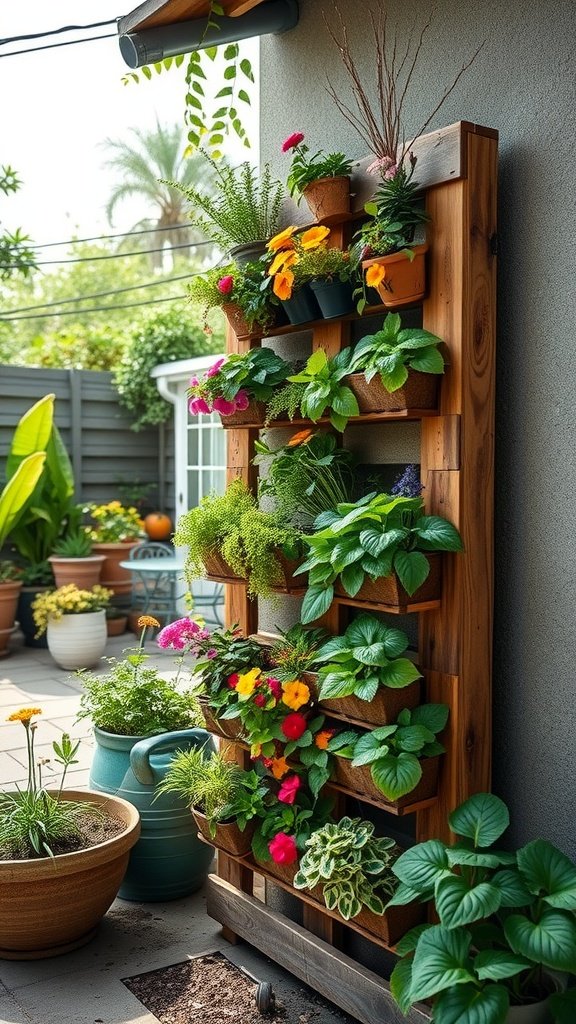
143, 167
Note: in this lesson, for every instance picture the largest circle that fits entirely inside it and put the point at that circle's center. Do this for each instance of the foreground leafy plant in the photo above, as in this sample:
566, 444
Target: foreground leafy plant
324, 390
391, 352
505, 918
304, 168
365, 658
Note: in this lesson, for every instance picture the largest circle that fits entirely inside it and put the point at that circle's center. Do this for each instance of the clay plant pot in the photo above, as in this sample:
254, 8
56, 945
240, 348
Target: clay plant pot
116, 626
50, 906
359, 780
113, 576
254, 416
419, 392
405, 281
9, 594
389, 591
382, 710
302, 307
328, 197
228, 836
238, 322
333, 297
84, 572
227, 728
247, 252
217, 568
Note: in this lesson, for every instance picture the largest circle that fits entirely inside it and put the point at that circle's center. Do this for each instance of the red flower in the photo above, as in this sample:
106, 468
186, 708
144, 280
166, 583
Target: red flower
233, 680
267, 761
225, 284
294, 726
289, 788
259, 700
283, 849
292, 141
275, 687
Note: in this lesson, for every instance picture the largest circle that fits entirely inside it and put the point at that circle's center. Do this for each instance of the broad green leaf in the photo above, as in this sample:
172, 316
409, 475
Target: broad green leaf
396, 776
32, 433
413, 738
440, 962
422, 866
403, 895
551, 941
399, 673
352, 578
409, 941
366, 689
476, 859
494, 964
466, 1004
400, 984
344, 402
412, 568
433, 716
17, 492
482, 818
513, 892
316, 603
395, 378
371, 654
437, 534
459, 904
337, 685
427, 360
549, 873
563, 1006
317, 361
415, 338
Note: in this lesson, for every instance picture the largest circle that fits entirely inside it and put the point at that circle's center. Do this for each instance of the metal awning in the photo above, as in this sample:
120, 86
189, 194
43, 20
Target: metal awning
153, 13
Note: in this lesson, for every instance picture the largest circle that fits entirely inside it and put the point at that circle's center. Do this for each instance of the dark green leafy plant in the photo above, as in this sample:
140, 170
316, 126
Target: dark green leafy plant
364, 659
75, 545
324, 391
394, 751
9, 571
255, 373
506, 918
304, 169
391, 352
373, 537
351, 864
298, 820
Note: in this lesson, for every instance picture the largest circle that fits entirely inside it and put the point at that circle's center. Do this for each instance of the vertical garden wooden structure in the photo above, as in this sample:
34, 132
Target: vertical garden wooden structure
457, 168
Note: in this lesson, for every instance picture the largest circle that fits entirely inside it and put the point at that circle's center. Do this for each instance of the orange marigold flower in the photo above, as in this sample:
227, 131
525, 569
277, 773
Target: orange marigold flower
282, 260
24, 715
323, 739
296, 694
147, 620
312, 238
283, 240
283, 283
279, 767
300, 438
375, 275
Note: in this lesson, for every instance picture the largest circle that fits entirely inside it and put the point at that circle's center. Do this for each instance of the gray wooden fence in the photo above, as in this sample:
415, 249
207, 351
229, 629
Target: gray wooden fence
106, 454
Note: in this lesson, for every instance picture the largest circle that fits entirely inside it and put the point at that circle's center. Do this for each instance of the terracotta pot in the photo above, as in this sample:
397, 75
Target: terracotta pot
9, 594
84, 572
227, 728
389, 591
382, 710
405, 281
359, 780
419, 392
218, 569
228, 836
48, 907
238, 322
117, 626
113, 576
254, 415
391, 926
77, 641
328, 197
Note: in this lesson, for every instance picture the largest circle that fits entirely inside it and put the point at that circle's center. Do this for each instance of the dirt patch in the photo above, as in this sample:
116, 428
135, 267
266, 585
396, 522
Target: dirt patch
206, 990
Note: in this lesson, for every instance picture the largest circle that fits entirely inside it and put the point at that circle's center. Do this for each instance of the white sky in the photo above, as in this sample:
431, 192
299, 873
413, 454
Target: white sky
58, 105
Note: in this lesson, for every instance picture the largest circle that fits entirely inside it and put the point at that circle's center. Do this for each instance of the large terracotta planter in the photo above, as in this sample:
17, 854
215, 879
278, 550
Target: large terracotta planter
389, 591
360, 781
48, 907
113, 576
84, 572
9, 594
228, 836
382, 710
77, 641
328, 197
419, 392
405, 280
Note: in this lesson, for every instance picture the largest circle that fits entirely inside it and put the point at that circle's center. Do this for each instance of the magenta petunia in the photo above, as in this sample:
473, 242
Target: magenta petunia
214, 369
283, 849
223, 406
225, 284
275, 687
292, 141
242, 400
288, 789
179, 634
198, 405
194, 382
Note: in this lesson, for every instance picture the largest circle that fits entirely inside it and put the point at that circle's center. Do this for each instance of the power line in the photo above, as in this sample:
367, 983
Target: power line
98, 295
53, 46
92, 309
57, 31
109, 256
98, 238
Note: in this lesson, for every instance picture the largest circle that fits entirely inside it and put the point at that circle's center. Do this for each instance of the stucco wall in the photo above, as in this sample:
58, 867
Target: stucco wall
522, 83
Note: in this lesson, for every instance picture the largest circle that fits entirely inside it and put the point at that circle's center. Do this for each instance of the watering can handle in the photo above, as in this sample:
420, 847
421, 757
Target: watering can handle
183, 739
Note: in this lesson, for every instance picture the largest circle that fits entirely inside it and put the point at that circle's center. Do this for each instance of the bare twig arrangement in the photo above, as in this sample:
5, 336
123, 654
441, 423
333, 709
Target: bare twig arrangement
381, 128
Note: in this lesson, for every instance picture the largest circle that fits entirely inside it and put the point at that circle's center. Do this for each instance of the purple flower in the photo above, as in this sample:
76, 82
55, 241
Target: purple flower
223, 406
179, 634
213, 370
408, 484
242, 400
211, 653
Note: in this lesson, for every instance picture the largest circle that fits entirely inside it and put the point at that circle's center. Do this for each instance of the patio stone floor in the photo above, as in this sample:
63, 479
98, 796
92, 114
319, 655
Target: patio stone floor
85, 987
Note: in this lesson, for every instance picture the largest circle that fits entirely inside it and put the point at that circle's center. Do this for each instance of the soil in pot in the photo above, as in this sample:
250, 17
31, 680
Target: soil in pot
389, 591
302, 308
419, 392
328, 197
93, 829
334, 298
405, 280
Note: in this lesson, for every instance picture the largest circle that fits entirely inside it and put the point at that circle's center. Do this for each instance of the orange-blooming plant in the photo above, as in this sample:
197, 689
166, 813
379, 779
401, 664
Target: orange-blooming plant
288, 267
263, 704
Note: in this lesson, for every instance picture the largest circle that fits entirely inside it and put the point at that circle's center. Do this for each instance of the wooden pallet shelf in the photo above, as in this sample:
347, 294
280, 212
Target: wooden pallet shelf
354, 421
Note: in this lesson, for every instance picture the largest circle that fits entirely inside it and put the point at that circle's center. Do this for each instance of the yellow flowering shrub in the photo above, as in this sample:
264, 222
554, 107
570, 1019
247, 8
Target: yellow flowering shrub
115, 522
67, 600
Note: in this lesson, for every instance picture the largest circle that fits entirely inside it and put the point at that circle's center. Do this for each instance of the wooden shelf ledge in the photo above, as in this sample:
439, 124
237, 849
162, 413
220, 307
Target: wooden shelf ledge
390, 609
367, 417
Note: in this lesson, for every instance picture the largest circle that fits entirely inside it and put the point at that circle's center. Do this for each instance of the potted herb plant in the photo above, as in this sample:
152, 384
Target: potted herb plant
140, 720
74, 621
323, 179
294, 652
324, 392
73, 561
237, 386
363, 675
117, 529
396, 763
396, 368
506, 922
225, 800
63, 855
350, 869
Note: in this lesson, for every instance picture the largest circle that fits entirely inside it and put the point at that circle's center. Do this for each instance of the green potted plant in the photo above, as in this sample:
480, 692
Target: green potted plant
396, 368
396, 763
288, 271
225, 800
292, 655
10, 587
74, 622
115, 531
62, 856
230, 538
243, 295
362, 674
281, 833
323, 179
331, 276
507, 924
239, 211
350, 869
74, 562
324, 392
140, 720
237, 386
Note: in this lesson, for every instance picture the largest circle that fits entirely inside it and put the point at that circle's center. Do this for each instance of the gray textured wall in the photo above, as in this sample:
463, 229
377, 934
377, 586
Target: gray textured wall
522, 83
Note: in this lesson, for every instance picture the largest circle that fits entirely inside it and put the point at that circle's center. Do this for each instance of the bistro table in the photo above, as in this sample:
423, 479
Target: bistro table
158, 585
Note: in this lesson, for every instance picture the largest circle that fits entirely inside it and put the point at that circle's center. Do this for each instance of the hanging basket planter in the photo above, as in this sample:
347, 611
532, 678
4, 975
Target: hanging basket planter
290, 584
328, 197
360, 781
226, 728
389, 591
382, 710
238, 322
217, 568
333, 297
228, 836
419, 392
405, 280
253, 415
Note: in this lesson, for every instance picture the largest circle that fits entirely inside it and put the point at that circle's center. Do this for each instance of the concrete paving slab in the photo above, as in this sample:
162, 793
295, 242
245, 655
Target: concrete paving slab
11, 698
46, 688
10, 770
87, 997
67, 723
12, 1013
12, 735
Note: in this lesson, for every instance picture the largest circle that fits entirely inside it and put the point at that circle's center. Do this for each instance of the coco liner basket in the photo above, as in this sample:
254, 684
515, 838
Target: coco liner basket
217, 569
238, 322
253, 416
228, 836
227, 728
360, 780
419, 392
405, 280
382, 710
389, 591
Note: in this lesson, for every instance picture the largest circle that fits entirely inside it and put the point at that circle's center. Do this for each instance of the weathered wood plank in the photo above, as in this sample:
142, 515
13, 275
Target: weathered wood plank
353, 988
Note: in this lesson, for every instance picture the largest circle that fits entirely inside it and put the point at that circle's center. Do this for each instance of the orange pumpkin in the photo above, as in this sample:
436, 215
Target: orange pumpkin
158, 526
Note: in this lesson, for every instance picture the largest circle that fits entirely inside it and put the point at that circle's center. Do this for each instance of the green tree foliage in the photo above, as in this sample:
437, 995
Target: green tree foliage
15, 255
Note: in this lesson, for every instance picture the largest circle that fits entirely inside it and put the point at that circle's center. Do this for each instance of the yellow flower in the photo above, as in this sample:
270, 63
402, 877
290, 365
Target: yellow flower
283, 283
282, 261
279, 767
295, 694
24, 715
283, 240
247, 683
312, 238
147, 620
375, 275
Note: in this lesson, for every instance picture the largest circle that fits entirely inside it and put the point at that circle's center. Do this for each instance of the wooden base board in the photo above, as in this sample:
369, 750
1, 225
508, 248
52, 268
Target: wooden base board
337, 977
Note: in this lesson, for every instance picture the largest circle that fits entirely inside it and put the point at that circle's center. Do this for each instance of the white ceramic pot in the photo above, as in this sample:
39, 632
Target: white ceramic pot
77, 641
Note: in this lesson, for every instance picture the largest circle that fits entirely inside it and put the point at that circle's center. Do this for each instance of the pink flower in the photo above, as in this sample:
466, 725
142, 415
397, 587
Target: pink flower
198, 405
212, 653
391, 172
194, 382
225, 284
283, 849
381, 165
213, 370
178, 634
275, 687
223, 406
289, 788
292, 141
242, 400
259, 700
